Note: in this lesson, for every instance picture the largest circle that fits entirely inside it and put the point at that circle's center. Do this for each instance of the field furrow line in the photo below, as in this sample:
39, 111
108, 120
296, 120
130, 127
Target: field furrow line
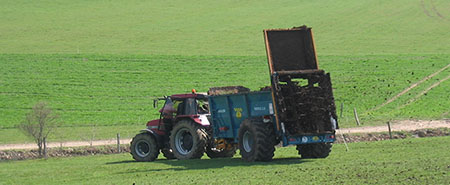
424, 92
410, 87
433, 8
422, 4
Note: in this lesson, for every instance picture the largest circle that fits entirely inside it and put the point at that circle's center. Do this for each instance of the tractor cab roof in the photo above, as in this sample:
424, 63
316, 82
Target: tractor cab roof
184, 96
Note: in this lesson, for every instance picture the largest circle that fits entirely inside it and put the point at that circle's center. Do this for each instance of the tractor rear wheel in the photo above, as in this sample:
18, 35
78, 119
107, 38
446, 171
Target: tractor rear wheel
144, 148
188, 140
314, 150
220, 153
256, 140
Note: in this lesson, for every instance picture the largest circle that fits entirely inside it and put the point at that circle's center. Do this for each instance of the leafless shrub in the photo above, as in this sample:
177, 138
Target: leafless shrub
39, 123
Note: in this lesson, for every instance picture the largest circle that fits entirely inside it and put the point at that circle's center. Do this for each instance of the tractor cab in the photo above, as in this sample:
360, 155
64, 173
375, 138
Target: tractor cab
180, 106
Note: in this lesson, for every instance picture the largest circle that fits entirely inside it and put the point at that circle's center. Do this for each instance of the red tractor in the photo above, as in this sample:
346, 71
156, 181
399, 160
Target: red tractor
182, 131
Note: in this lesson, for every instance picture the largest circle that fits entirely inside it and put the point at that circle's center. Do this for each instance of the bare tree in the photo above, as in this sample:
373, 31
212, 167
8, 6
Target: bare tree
39, 123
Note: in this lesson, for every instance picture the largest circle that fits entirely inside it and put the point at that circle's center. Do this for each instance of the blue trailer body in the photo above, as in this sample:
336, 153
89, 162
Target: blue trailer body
228, 112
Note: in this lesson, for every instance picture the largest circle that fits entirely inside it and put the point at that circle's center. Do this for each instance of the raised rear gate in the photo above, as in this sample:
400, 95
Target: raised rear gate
302, 93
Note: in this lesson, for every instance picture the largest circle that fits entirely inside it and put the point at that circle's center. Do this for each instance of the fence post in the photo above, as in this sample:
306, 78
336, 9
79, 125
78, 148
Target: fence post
389, 127
118, 142
356, 116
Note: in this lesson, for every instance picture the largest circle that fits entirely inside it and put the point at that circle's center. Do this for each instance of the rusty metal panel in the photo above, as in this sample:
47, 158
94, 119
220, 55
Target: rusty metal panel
290, 49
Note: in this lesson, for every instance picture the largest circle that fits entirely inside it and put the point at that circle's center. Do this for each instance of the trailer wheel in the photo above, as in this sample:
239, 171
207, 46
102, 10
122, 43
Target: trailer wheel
314, 150
188, 140
217, 153
256, 140
168, 153
144, 148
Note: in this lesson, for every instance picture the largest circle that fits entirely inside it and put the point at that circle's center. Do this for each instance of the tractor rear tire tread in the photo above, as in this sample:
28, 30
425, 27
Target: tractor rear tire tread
199, 135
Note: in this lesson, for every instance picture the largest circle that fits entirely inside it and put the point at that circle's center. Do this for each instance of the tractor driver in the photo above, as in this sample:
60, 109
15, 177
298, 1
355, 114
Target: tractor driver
168, 112
170, 109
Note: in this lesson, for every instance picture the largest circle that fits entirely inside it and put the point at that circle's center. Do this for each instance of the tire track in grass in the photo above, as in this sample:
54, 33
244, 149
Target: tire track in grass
409, 88
423, 92
445, 114
422, 4
433, 8
431, 11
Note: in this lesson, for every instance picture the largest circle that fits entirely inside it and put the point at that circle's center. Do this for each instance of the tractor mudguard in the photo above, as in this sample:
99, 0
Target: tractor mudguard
159, 139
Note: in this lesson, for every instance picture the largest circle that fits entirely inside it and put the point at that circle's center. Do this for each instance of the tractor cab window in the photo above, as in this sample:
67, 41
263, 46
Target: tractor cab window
202, 106
188, 106
171, 108
192, 106
196, 106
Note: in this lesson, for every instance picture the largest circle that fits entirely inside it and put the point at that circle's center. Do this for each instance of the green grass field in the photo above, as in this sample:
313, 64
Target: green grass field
228, 27
115, 91
101, 62
408, 161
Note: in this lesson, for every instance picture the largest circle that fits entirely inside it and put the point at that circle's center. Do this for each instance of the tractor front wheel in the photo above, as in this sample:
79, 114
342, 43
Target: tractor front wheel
256, 140
188, 140
144, 148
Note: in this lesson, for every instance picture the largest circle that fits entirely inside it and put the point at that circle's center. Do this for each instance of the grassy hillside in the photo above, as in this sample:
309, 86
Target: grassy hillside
118, 90
229, 27
385, 162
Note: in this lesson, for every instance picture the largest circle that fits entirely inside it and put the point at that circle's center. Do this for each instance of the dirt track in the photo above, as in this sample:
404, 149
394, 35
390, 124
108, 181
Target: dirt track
405, 125
64, 144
